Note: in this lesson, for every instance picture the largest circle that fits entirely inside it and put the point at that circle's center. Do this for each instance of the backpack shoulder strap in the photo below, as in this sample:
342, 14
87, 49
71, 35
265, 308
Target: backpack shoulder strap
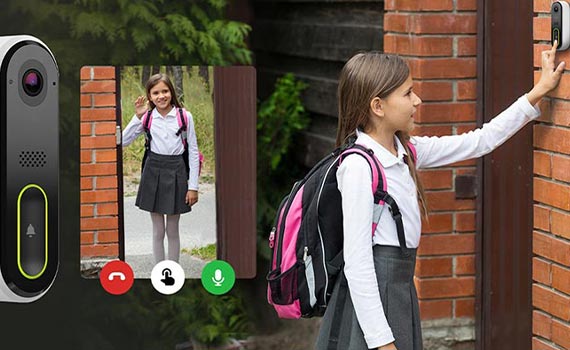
413, 151
147, 120
379, 189
378, 176
182, 118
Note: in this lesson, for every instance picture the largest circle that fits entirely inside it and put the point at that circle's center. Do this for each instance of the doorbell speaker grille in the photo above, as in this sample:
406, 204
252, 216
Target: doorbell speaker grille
33, 159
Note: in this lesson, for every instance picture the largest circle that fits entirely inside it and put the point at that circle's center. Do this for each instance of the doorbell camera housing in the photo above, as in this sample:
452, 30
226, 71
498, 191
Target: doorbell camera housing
560, 24
29, 168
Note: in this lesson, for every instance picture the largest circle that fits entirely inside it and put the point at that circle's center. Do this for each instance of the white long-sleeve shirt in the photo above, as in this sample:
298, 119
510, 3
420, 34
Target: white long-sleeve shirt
165, 141
355, 180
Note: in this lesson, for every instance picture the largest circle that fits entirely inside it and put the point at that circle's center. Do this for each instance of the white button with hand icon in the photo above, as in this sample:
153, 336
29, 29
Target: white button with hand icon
167, 277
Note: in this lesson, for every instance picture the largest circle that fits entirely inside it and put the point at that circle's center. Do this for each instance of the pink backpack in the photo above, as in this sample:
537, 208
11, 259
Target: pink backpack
307, 236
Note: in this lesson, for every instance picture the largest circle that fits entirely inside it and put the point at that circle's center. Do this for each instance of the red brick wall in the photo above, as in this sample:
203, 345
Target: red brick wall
438, 38
551, 237
99, 205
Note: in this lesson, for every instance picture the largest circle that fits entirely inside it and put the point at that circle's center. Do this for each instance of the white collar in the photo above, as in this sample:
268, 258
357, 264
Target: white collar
386, 158
171, 113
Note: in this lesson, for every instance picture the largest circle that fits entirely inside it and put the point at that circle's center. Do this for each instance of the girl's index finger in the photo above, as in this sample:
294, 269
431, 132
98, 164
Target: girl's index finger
554, 46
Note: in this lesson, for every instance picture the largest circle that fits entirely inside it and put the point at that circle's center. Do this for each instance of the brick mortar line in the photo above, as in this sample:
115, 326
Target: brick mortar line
552, 235
553, 181
535, 148
561, 155
98, 244
558, 210
99, 92
552, 125
553, 318
548, 342
546, 260
93, 203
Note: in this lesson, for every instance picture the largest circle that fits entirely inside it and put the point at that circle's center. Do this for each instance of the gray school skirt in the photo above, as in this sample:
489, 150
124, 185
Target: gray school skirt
395, 273
163, 186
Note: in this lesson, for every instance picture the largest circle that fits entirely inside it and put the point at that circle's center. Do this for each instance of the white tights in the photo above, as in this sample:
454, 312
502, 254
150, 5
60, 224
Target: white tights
158, 233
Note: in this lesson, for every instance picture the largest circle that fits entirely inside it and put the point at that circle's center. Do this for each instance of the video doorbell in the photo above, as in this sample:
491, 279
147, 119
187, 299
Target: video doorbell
29, 168
560, 24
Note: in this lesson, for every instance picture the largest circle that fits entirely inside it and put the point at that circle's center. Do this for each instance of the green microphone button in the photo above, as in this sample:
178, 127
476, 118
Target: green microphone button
218, 277
32, 226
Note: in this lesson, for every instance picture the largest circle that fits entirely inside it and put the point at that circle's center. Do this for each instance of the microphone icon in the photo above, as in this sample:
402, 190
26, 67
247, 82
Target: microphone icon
218, 279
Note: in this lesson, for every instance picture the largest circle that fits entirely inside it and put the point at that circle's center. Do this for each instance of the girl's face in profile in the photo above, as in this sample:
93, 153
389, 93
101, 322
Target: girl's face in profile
161, 96
400, 105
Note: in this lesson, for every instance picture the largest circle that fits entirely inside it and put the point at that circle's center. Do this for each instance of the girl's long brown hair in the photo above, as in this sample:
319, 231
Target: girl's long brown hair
366, 76
157, 78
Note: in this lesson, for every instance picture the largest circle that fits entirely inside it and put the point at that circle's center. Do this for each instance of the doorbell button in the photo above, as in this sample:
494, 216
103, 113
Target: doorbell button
33, 235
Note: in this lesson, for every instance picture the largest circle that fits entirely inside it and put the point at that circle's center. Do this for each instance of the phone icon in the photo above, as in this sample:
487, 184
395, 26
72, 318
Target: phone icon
118, 274
116, 277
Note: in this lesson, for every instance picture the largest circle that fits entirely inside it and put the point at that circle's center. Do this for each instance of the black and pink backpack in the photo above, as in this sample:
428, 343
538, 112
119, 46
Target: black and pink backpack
182, 118
307, 236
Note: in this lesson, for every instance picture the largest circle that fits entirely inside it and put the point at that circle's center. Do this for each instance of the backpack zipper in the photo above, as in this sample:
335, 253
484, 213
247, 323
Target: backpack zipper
275, 222
281, 224
272, 237
274, 229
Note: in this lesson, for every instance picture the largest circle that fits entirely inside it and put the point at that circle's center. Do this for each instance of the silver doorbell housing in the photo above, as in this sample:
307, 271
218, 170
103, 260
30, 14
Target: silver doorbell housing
560, 24
29, 168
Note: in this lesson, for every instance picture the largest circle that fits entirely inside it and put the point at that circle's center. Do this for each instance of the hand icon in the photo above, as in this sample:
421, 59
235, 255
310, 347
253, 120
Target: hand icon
168, 280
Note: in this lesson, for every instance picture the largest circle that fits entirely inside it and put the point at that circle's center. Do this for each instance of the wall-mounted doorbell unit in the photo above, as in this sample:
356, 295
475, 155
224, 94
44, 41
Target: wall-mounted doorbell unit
560, 24
29, 168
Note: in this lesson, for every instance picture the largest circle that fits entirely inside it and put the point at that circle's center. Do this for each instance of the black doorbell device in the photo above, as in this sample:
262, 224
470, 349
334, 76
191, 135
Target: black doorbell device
560, 24
29, 168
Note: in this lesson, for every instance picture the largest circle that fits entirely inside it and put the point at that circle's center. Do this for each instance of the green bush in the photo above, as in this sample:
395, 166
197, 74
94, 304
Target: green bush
280, 118
204, 317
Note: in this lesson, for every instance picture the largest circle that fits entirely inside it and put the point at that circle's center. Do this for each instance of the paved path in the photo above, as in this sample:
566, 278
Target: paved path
197, 229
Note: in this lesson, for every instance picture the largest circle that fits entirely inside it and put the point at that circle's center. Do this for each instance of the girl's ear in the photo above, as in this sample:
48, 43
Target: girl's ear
376, 107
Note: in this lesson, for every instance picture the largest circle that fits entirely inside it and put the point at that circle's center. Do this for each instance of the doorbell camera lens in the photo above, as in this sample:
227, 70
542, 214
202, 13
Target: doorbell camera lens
555, 8
32, 82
